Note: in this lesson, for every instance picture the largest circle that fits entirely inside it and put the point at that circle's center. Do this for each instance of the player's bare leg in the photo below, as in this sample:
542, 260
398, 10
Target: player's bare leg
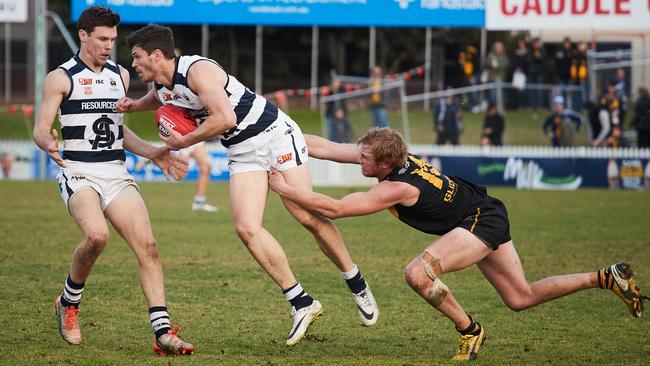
453, 251
200, 155
86, 211
503, 269
331, 244
248, 193
129, 216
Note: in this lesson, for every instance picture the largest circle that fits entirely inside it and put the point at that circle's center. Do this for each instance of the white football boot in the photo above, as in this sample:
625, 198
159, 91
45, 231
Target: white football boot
368, 309
204, 206
301, 320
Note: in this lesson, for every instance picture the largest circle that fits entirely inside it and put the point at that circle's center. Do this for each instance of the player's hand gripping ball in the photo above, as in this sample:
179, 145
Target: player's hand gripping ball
170, 117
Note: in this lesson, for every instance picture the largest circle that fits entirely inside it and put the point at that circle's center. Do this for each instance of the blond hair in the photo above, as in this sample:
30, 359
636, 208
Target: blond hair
386, 146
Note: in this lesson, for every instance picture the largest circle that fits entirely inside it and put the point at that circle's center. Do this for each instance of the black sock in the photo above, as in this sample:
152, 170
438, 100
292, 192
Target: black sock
159, 320
72, 293
297, 297
356, 283
473, 329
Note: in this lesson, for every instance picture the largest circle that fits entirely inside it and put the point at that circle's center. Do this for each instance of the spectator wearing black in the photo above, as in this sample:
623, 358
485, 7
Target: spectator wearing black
521, 67
493, 126
536, 73
332, 106
467, 61
599, 122
641, 120
579, 75
558, 133
342, 130
446, 120
563, 63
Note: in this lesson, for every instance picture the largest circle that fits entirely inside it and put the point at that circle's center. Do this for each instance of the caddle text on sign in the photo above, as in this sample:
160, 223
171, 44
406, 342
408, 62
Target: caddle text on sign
559, 7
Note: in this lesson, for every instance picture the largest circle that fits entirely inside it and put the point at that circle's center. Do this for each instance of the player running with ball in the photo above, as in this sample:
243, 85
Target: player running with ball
258, 136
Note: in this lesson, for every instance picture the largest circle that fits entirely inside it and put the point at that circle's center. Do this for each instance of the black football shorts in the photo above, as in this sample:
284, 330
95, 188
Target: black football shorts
489, 223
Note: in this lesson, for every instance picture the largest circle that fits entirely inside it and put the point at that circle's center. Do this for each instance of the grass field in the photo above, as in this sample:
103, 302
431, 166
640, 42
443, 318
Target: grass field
522, 127
235, 315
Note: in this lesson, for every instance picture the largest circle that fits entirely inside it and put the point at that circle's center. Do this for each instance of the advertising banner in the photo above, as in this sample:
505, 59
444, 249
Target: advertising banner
338, 13
547, 173
567, 14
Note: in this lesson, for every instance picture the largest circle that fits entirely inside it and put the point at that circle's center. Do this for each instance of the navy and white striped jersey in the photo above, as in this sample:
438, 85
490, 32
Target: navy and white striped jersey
254, 113
91, 129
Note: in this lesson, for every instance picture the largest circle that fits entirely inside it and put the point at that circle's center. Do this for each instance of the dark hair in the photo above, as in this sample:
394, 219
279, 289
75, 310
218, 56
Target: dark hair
153, 37
97, 16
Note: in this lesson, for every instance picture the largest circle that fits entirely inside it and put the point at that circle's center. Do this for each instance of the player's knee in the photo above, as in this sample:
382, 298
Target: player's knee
423, 273
246, 231
152, 250
205, 167
97, 240
518, 303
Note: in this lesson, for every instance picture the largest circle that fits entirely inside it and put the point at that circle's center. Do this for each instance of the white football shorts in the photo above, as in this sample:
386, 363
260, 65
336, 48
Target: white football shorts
107, 179
285, 149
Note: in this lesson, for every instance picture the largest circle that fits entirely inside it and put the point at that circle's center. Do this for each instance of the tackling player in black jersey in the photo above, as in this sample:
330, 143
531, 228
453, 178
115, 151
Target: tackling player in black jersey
473, 229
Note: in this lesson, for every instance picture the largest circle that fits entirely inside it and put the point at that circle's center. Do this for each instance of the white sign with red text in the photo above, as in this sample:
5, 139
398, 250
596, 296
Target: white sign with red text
567, 14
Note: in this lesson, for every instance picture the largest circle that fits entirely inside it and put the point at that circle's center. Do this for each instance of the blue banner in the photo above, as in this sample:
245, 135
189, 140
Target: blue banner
143, 171
338, 13
545, 173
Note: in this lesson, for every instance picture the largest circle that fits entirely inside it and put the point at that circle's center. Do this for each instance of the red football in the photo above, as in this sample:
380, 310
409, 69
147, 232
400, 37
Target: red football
170, 117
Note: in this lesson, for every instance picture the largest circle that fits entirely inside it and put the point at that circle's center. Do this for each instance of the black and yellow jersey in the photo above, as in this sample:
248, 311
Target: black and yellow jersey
444, 201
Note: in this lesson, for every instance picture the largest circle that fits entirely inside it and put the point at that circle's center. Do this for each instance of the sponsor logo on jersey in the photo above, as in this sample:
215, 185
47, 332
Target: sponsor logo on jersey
85, 81
78, 177
88, 90
167, 97
99, 81
284, 158
92, 105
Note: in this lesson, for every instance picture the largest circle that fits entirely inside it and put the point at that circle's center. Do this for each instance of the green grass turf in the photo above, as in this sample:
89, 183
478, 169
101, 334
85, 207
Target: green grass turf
235, 315
522, 127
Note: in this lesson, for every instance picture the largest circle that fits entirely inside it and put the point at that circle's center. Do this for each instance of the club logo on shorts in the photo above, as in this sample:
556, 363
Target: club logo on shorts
284, 158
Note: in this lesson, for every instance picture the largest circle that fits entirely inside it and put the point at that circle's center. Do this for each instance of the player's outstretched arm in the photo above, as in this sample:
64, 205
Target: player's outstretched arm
322, 148
146, 103
384, 195
55, 87
171, 165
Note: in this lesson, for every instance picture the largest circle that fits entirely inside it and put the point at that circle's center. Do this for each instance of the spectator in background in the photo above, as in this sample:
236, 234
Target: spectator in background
521, 65
558, 126
447, 120
617, 139
599, 122
342, 130
621, 94
332, 106
613, 104
6, 162
563, 63
579, 74
493, 127
497, 66
641, 120
536, 73
467, 62
378, 113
